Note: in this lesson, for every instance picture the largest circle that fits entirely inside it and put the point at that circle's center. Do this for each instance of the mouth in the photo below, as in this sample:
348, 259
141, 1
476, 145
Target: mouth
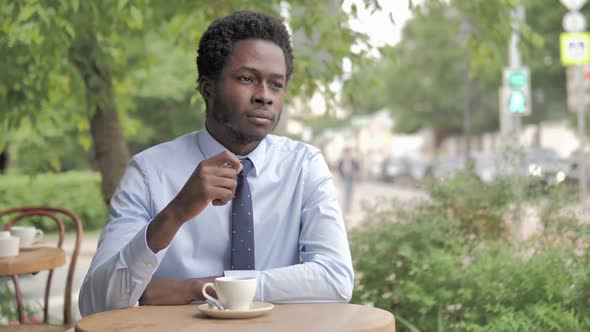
260, 117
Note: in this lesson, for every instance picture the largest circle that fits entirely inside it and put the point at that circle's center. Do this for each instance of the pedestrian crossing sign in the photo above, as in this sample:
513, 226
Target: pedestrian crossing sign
574, 48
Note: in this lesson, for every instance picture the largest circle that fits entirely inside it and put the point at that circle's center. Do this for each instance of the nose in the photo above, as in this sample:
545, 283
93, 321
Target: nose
262, 96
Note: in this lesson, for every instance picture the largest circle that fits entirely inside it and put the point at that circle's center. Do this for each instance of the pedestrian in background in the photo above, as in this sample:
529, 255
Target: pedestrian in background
348, 168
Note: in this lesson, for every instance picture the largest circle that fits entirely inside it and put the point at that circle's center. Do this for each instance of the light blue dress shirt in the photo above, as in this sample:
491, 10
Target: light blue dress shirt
302, 251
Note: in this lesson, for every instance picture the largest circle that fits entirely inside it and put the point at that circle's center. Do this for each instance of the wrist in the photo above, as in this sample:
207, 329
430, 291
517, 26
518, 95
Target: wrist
191, 290
174, 214
197, 288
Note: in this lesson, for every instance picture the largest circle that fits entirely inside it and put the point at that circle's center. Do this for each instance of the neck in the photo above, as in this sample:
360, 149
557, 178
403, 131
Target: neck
227, 139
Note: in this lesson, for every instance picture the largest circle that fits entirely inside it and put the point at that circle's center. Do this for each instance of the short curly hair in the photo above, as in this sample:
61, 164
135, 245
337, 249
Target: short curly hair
217, 41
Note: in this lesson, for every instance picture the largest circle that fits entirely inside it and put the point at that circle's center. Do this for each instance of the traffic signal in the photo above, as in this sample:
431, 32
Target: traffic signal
518, 99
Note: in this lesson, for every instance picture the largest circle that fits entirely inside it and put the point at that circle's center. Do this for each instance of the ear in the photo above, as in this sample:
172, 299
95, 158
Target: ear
205, 86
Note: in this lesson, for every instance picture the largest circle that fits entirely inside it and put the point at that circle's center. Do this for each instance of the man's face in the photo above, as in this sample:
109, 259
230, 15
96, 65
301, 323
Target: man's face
247, 98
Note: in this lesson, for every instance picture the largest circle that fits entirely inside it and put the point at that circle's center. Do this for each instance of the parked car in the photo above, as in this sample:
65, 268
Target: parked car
375, 168
488, 166
419, 168
395, 169
448, 166
574, 174
542, 163
546, 164
407, 170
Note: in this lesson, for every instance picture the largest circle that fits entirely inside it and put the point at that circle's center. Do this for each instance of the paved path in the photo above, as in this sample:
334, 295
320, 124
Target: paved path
369, 193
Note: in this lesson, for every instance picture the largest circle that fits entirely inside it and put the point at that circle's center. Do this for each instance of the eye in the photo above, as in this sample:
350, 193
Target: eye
246, 79
277, 85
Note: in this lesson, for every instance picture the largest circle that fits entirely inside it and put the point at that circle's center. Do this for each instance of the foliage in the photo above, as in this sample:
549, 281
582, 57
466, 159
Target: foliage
426, 74
149, 47
76, 191
8, 311
424, 79
46, 148
478, 211
451, 263
371, 76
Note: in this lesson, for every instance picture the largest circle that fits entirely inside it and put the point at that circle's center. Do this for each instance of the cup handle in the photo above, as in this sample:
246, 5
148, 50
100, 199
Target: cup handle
209, 297
38, 235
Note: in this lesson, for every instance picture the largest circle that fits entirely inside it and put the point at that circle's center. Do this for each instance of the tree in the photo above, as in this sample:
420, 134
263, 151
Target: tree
426, 83
72, 61
423, 76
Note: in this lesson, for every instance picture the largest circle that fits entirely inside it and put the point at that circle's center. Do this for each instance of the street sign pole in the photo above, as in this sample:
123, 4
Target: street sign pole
514, 93
515, 59
581, 161
515, 62
575, 53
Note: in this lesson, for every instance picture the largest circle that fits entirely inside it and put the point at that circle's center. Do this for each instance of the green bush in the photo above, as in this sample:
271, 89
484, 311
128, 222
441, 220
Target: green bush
76, 191
477, 206
450, 263
8, 309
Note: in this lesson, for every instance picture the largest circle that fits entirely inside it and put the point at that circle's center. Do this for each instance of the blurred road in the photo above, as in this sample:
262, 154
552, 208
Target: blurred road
372, 192
33, 286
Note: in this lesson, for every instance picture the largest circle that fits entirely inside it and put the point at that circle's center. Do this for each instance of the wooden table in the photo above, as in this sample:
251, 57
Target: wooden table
31, 260
285, 317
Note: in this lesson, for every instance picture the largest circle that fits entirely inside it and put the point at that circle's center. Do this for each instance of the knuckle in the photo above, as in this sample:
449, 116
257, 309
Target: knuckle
201, 168
229, 195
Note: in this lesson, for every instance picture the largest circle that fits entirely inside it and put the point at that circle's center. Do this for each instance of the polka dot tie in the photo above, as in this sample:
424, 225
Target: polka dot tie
242, 239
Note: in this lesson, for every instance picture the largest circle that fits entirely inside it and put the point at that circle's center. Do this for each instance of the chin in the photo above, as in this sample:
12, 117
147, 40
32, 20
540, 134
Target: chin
258, 132
250, 136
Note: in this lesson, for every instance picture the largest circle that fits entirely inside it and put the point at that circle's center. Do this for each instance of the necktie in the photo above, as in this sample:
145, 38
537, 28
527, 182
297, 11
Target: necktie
242, 244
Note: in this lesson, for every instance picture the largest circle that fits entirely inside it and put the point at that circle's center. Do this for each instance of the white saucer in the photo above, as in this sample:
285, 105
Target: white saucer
256, 309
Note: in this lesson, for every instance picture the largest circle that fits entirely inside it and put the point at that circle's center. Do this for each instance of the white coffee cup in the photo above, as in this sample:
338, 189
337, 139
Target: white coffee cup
9, 246
4, 234
27, 234
234, 293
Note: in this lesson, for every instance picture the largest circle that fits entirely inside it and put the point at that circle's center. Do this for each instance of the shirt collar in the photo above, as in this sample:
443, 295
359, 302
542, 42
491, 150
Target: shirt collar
209, 146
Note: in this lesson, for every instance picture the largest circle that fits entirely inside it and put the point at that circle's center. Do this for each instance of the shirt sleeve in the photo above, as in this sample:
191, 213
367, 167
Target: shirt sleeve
326, 273
123, 264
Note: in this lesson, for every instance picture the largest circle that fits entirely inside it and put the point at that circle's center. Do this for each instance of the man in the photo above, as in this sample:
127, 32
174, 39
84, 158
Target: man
228, 197
348, 168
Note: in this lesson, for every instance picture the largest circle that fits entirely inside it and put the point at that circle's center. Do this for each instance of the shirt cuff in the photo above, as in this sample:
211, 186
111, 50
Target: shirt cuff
138, 255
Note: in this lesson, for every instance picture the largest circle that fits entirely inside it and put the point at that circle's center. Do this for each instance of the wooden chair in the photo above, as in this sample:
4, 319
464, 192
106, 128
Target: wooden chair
56, 214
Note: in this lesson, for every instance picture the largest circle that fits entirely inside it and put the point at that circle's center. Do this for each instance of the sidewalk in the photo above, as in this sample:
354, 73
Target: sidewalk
88, 243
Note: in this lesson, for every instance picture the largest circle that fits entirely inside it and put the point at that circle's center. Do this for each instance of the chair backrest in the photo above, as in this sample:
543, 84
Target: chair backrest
55, 214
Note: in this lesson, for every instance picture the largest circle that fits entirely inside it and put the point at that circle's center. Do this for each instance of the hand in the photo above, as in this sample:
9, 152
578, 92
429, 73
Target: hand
213, 180
171, 291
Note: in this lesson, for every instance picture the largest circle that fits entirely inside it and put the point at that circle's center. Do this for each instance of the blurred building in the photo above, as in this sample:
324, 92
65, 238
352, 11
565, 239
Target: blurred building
373, 139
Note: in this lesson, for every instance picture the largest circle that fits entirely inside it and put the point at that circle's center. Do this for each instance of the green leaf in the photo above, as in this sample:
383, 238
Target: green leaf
70, 30
137, 16
26, 13
121, 4
55, 164
406, 324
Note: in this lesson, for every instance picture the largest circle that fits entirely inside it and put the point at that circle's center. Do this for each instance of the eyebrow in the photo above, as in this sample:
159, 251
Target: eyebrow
256, 71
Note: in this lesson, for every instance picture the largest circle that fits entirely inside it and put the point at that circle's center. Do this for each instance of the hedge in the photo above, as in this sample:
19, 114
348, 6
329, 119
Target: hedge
77, 191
